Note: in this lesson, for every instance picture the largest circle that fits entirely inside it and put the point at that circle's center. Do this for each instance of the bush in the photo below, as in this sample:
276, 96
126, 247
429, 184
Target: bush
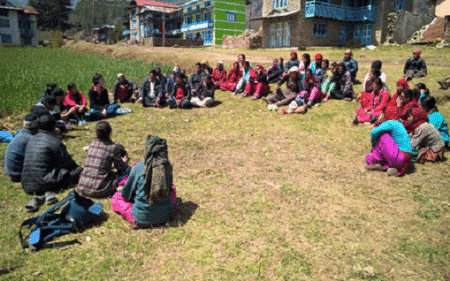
57, 39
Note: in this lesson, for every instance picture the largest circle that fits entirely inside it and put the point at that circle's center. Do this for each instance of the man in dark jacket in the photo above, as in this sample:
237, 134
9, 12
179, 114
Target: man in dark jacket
181, 93
47, 164
196, 77
150, 92
415, 66
124, 89
205, 93
293, 87
291, 63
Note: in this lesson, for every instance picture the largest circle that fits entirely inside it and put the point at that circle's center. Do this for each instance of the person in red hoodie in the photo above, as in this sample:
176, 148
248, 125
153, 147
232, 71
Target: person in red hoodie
373, 104
219, 75
76, 99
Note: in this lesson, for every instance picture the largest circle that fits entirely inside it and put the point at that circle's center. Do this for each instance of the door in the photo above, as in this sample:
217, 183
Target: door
344, 33
363, 32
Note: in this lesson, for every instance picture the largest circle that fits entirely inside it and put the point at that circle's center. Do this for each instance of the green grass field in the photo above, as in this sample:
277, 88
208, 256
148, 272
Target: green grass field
265, 196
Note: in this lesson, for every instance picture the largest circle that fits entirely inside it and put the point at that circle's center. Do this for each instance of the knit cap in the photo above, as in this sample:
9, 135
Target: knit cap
31, 121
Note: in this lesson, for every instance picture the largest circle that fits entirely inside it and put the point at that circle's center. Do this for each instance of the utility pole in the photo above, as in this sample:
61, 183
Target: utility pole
92, 21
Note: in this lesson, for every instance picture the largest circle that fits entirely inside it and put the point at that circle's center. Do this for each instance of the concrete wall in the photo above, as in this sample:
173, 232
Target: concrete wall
12, 30
407, 23
170, 42
442, 8
245, 43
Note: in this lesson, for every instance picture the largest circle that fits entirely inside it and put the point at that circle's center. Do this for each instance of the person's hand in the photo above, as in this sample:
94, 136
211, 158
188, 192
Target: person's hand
158, 101
119, 188
104, 112
178, 102
277, 87
399, 102
194, 91
167, 96
204, 83
125, 159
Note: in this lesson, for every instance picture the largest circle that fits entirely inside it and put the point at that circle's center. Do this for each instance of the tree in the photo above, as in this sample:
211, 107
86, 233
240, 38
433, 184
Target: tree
52, 14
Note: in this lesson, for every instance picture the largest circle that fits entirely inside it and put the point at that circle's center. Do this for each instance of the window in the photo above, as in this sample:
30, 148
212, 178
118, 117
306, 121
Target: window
3, 12
280, 4
6, 39
133, 12
399, 5
4, 22
189, 9
189, 20
133, 23
207, 16
279, 34
320, 29
198, 6
207, 3
231, 17
198, 18
207, 37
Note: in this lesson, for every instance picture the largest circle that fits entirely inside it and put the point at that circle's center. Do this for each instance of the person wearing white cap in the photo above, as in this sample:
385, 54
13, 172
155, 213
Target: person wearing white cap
293, 87
124, 89
15, 151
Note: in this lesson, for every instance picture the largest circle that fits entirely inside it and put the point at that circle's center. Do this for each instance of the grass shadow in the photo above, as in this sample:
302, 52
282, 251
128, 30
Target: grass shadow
216, 103
184, 212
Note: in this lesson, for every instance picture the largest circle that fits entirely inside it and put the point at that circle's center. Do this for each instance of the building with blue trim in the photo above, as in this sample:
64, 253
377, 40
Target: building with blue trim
300, 23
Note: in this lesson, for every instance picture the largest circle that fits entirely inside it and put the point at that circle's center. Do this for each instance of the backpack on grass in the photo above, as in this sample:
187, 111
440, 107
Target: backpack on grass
77, 211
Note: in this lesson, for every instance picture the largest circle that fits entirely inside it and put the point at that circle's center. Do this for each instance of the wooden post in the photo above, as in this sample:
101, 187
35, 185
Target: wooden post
164, 30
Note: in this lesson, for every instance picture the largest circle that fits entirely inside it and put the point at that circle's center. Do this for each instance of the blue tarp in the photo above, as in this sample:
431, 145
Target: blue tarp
126, 32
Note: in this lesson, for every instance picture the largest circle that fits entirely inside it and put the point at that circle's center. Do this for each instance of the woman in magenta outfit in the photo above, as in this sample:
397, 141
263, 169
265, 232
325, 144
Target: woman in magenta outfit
234, 75
372, 104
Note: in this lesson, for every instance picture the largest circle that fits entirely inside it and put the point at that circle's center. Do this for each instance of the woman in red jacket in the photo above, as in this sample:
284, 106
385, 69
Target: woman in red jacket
372, 104
234, 75
76, 99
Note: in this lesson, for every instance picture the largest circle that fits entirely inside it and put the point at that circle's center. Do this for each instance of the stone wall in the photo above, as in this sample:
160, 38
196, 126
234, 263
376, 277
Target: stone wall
242, 42
170, 42
404, 24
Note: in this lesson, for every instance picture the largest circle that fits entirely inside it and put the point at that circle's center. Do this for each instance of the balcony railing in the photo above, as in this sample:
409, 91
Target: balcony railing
324, 9
197, 25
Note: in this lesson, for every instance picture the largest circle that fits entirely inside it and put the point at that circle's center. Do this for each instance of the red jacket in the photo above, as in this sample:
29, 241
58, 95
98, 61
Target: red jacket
74, 99
220, 77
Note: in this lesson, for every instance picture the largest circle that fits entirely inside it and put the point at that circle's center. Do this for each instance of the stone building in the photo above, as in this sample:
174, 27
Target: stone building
211, 20
17, 25
301, 23
153, 19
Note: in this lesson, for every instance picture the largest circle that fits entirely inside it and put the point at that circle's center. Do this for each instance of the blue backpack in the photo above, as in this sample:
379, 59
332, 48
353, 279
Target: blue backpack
77, 211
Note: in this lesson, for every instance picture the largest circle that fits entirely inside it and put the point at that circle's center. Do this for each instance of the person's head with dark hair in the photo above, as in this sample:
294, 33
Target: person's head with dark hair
325, 64
377, 84
421, 86
70, 86
103, 130
281, 60
47, 123
377, 65
31, 122
59, 94
341, 68
428, 103
208, 78
152, 75
407, 94
49, 102
373, 74
98, 79
123, 153
241, 58
50, 87
180, 78
198, 67
308, 74
306, 59
157, 69
333, 65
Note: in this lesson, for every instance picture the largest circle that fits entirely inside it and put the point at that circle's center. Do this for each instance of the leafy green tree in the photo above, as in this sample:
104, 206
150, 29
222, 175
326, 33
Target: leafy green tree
52, 14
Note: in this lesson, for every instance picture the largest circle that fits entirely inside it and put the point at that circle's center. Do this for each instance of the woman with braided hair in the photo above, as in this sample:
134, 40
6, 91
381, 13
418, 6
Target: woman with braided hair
148, 197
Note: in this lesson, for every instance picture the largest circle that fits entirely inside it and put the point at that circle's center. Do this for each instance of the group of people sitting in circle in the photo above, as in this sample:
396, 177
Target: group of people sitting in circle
407, 127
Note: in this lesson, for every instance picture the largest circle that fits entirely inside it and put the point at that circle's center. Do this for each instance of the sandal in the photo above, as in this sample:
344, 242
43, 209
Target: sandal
33, 204
50, 198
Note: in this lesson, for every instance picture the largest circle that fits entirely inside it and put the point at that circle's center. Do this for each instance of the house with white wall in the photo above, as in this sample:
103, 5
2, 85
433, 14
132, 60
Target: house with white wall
17, 25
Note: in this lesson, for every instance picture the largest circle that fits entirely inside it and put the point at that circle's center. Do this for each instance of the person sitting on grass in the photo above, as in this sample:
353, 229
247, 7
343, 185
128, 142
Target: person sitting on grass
205, 93
368, 84
76, 99
149, 195
343, 88
372, 104
262, 87
444, 83
285, 96
63, 114
274, 72
50, 106
327, 85
351, 65
310, 94
422, 91
161, 77
404, 103
170, 82
376, 65
415, 66
317, 65
248, 81
425, 137
391, 148
15, 151
48, 91
304, 65
47, 165
124, 89
291, 63
234, 75
241, 59
322, 71
435, 117
219, 75
150, 92
181, 94
196, 77
99, 101
97, 179
44, 107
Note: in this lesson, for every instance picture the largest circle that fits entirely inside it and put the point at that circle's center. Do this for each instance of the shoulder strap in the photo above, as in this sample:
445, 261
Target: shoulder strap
48, 220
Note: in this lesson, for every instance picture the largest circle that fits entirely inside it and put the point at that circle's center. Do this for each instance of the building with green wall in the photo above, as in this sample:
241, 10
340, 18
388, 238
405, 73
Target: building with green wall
211, 20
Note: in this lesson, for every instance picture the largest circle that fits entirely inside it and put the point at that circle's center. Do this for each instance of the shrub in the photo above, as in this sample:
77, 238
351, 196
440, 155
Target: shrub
57, 39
